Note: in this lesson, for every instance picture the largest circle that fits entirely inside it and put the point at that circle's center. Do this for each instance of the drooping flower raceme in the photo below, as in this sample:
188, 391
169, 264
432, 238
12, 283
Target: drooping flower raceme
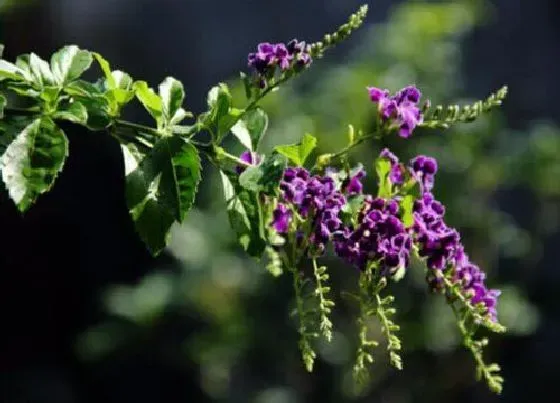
441, 244
380, 238
400, 110
314, 199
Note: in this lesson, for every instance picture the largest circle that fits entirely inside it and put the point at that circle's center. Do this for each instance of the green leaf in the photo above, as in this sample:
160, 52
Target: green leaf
298, 153
251, 128
3, 102
74, 112
383, 167
69, 63
12, 72
172, 95
94, 100
219, 118
40, 71
161, 187
151, 101
32, 161
265, 176
106, 68
244, 215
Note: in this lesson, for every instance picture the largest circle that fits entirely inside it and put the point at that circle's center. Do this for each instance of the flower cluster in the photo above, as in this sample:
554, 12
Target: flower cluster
441, 245
285, 56
314, 199
379, 237
400, 110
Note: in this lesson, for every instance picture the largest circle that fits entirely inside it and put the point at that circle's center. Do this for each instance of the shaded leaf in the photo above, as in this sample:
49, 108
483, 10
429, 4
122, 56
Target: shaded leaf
298, 153
265, 176
161, 187
69, 63
32, 161
244, 215
74, 112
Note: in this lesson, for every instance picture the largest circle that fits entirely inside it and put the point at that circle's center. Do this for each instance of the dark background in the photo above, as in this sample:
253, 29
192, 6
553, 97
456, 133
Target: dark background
88, 316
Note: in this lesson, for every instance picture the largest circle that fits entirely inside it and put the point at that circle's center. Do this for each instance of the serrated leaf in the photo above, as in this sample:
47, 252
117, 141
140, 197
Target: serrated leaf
251, 128
69, 63
244, 215
40, 71
74, 112
161, 188
32, 161
151, 101
298, 153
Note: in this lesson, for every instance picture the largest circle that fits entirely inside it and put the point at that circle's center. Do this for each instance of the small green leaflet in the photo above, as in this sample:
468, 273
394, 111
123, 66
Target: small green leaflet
161, 187
244, 215
32, 161
250, 129
164, 107
151, 101
118, 86
298, 153
383, 167
69, 63
221, 115
172, 94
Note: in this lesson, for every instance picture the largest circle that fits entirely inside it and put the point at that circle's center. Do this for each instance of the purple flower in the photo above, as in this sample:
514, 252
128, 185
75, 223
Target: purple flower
396, 175
354, 185
424, 169
315, 199
249, 157
281, 218
400, 110
269, 57
380, 237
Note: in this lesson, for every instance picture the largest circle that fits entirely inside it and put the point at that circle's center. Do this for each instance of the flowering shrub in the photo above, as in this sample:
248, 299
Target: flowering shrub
281, 207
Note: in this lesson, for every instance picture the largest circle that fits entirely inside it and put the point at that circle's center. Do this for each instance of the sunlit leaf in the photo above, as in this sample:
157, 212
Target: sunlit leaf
32, 161
251, 128
69, 63
298, 153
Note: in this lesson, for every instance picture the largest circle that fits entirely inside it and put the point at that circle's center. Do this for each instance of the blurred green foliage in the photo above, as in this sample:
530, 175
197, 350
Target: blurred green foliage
248, 352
